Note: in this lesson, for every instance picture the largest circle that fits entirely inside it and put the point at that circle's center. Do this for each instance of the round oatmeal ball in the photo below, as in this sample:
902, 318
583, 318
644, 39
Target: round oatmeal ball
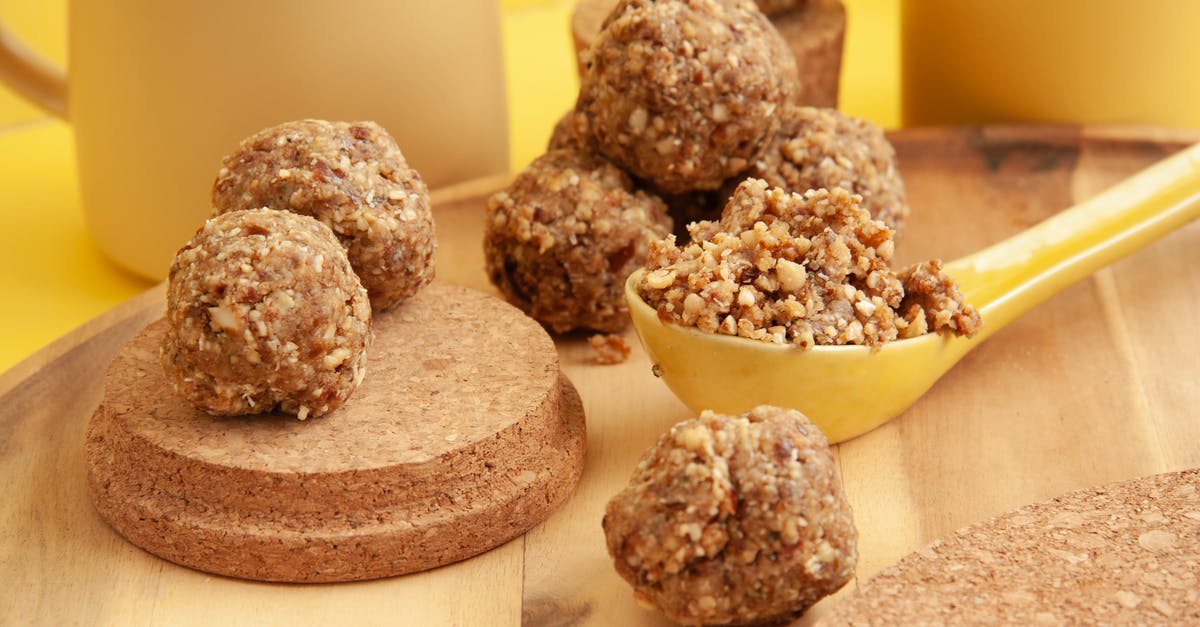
352, 177
685, 94
561, 240
734, 520
819, 148
264, 312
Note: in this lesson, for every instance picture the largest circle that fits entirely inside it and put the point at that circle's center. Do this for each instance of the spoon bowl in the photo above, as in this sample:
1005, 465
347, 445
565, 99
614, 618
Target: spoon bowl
849, 390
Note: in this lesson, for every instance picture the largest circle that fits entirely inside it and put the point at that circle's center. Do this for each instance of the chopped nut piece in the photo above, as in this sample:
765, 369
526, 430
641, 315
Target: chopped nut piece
660, 278
225, 319
792, 276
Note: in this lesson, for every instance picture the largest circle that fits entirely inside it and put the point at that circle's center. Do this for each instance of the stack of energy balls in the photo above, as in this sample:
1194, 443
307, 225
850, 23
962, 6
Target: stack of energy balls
316, 226
689, 113
679, 102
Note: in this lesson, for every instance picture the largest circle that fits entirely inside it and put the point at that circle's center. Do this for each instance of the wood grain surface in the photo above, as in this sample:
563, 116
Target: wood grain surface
1094, 386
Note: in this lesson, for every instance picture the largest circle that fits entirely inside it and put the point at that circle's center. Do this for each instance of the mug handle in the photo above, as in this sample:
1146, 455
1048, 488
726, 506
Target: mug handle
30, 75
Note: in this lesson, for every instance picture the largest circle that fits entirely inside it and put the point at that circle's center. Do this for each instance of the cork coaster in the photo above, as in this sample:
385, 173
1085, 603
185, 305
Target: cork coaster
1127, 554
463, 435
815, 32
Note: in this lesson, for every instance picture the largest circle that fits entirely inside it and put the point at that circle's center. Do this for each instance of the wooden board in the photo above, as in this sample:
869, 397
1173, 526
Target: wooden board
1096, 385
424, 465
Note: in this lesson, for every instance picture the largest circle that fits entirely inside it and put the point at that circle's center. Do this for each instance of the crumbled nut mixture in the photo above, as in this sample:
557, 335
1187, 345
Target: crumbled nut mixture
264, 312
734, 520
352, 177
818, 147
686, 94
810, 268
561, 240
775, 7
609, 349
932, 301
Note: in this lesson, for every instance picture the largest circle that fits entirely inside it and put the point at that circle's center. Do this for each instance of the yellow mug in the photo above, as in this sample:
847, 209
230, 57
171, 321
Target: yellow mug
158, 92
1086, 61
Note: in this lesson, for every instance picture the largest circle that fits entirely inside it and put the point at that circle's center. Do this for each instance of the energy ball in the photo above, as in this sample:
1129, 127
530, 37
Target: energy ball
352, 177
561, 240
822, 148
685, 94
734, 520
572, 132
264, 312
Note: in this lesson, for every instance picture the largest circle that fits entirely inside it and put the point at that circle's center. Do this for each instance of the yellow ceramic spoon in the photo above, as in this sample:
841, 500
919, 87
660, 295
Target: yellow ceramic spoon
849, 390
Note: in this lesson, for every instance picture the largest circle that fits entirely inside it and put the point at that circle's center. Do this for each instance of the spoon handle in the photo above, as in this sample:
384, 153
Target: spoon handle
1009, 278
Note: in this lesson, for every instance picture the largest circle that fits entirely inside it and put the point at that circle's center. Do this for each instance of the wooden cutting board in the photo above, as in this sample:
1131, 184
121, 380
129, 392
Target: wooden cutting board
1097, 385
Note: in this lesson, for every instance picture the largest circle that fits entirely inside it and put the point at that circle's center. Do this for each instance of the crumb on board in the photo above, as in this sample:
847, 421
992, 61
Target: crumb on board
609, 348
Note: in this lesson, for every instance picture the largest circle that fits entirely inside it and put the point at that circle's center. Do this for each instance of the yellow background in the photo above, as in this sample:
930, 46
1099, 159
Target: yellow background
53, 277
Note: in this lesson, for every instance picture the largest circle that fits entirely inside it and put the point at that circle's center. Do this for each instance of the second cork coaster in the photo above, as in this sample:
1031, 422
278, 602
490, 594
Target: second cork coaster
463, 435
1123, 554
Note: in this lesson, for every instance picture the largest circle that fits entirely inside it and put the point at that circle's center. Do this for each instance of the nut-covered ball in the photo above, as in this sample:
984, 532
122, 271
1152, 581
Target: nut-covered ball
685, 94
264, 312
734, 520
823, 148
352, 177
572, 132
561, 240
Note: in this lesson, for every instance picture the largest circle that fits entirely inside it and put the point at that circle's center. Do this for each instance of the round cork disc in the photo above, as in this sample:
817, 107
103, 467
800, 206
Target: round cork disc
1124, 554
463, 435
